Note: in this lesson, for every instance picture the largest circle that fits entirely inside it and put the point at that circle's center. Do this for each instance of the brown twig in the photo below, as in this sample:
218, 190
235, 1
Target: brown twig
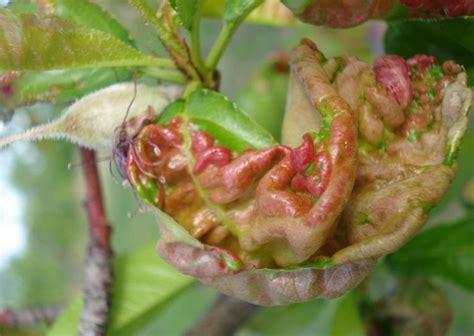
97, 278
223, 318
29, 316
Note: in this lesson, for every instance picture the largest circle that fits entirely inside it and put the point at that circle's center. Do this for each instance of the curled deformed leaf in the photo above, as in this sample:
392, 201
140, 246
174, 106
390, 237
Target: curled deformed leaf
339, 13
275, 224
93, 120
406, 155
348, 13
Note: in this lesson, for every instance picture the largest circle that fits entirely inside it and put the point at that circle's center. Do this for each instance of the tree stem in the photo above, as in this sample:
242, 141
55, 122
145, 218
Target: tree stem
29, 316
97, 278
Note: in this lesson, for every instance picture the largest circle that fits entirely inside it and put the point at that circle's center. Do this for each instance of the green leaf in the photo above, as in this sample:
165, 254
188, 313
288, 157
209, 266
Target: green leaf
143, 284
264, 99
445, 39
446, 251
285, 320
180, 313
237, 10
347, 320
188, 10
89, 14
215, 114
28, 42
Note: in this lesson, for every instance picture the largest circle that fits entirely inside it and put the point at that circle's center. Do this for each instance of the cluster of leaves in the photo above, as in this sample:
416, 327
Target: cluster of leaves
88, 49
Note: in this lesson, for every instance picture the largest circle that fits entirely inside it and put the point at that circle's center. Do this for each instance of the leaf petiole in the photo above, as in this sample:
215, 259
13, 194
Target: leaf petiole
169, 75
220, 44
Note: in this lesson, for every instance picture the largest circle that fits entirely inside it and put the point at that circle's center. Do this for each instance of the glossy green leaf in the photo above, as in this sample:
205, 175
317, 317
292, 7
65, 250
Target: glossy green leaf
214, 113
264, 99
446, 251
28, 42
445, 39
143, 284
237, 10
91, 15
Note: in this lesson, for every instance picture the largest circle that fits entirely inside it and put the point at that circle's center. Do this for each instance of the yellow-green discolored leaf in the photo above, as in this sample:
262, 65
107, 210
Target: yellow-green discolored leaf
30, 42
89, 14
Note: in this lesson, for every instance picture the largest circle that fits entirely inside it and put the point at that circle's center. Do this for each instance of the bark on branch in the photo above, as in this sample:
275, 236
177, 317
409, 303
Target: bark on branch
29, 316
224, 317
97, 278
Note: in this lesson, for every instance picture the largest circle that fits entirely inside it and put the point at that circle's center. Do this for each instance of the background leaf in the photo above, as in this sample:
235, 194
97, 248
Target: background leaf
347, 320
143, 284
445, 39
28, 42
264, 99
446, 251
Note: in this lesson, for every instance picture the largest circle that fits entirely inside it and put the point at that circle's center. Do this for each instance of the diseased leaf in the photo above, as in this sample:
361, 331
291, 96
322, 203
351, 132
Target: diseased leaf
28, 42
445, 251
143, 284
347, 13
447, 39
278, 225
93, 120
338, 13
